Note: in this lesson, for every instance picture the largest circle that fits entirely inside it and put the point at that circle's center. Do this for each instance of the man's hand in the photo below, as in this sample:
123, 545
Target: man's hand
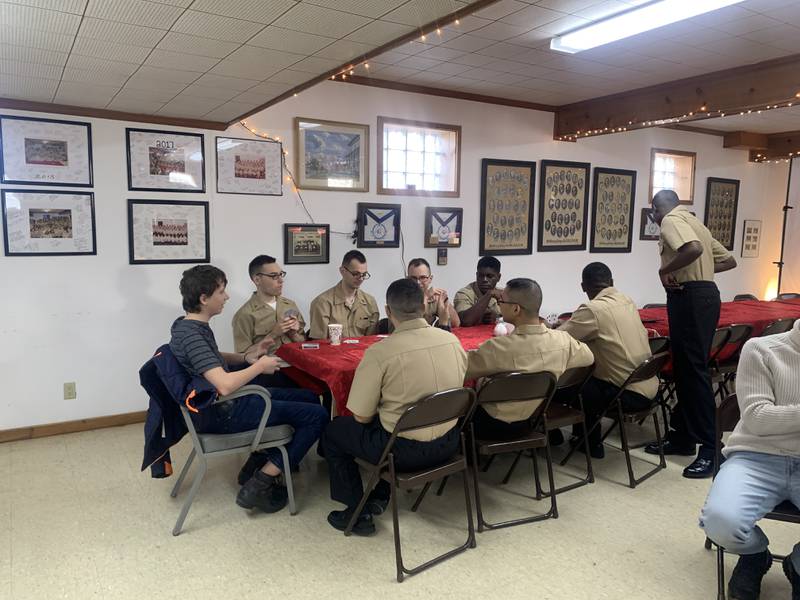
284, 326
496, 293
668, 281
442, 306
262, 348
267, 364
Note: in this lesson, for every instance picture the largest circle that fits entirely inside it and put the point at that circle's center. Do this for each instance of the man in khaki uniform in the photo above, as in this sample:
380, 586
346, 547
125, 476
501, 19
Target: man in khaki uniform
438, 308
476, 303
689, 259
415, 361
610, 325
531, 348
345, 303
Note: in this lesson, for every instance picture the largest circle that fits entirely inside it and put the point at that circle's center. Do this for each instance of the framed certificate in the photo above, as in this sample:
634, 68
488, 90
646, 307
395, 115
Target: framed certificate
563, 205
168, 231
507, 206
378, 225
165, 161
249, 167
443, 227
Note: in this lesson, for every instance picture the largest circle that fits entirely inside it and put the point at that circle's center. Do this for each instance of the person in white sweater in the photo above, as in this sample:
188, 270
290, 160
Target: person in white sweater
763, 462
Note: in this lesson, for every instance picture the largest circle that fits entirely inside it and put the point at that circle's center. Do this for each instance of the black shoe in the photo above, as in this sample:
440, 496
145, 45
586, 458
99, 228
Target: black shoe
595, 450
745, 583
792, 576
263, 492
555, 437
363, 525
701, 468
671, 448
376, 505
255, 461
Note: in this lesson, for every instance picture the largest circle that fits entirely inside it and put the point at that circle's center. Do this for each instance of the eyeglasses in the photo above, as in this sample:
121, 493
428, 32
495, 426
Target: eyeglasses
507, 302
274, 276
357, 275
421, 278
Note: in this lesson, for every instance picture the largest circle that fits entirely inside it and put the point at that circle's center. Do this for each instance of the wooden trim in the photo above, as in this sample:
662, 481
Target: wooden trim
422, 89
693, 129
38, 431
101, 113
693, 156
745, 140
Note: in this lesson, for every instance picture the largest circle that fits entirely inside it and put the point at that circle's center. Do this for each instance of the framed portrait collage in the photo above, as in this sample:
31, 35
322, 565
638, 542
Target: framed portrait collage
563, 205
506, 226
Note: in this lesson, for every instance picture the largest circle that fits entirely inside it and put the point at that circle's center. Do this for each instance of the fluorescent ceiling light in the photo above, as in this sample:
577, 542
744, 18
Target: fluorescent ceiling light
633, 22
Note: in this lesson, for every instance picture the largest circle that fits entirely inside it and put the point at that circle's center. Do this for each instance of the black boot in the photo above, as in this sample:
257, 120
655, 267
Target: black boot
264, 492
363, 525
745, 583
792, 576
255, 461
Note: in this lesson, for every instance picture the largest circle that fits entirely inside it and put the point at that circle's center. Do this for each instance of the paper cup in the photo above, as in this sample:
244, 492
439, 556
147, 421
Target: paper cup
335, 334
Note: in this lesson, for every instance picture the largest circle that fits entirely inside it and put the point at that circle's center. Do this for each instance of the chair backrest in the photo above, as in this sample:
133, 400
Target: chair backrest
516, 386
574, 378
655, 305
743, 297
718, 342
658, 344
740, 333
648, 369
787, 296
779, 326
727, 416
436, 409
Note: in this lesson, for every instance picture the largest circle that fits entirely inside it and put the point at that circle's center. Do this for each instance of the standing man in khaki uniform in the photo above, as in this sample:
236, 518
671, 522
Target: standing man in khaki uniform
476, 303
610, 325
415, 361
689, 259
531, 348
438, 309
345, 303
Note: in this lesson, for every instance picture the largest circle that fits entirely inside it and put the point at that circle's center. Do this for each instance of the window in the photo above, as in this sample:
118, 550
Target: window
418, 159
672, 170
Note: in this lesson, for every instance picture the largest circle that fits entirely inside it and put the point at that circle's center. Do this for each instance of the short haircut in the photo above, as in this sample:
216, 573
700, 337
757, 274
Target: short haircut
489, 262
667, 198
406, 299
597, 274
418, 262
525, 292
197, 281
353, 255
258, 262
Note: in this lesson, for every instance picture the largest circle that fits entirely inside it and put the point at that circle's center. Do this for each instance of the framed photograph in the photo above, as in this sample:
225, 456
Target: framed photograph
378, 225
331, 155
507, 206
306, 243
751, 238
613, 198
167, 231
648, 228
443, 227
165, 161
722, 203
563, 205
249, 167
672, 170
45, 151
48, 223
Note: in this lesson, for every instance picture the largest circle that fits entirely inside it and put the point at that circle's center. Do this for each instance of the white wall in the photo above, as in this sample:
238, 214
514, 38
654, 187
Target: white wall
96, 319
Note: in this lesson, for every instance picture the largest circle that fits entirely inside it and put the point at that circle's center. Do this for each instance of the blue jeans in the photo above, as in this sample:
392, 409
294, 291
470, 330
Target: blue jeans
748, 486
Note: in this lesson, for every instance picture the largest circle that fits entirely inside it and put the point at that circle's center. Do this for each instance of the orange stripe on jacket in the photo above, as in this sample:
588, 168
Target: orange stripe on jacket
191, 395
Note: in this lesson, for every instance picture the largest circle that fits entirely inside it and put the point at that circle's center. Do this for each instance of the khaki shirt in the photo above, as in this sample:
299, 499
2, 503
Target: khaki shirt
255, 319
531, 349
357, 320
468, 296
680, 227
417, 360
610, 325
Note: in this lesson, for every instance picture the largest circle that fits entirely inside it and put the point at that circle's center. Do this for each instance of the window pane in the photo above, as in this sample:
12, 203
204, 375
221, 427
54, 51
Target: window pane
415, 141
415, 180
397, 161
397, 139
430, 181
433, 142
397, 180
414, 162
433, 163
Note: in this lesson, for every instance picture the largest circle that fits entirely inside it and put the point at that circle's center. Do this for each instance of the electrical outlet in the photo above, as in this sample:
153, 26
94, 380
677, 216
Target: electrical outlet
69, 391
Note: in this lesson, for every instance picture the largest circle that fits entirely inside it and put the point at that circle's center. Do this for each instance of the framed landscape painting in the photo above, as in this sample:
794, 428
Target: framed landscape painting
331, 155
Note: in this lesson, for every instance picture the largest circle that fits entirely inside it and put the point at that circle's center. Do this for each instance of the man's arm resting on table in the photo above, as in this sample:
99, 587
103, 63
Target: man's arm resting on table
474, 314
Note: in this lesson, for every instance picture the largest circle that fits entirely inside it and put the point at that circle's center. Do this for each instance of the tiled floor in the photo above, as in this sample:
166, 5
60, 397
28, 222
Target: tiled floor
78, 520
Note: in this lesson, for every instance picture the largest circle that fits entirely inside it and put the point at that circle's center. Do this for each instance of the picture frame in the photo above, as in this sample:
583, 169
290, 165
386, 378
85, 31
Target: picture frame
50, 152
613, 199
48, 222
751, 238
165, 161
168, 232
563, 205
507, 196
443, 227
331, 155
246, 166
378, 225
649, 230
676, 167
306, 243
722, 205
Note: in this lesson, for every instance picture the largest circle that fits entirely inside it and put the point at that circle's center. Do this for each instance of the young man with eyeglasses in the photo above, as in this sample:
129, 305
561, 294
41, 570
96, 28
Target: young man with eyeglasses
345, 303
476, 303
438, 309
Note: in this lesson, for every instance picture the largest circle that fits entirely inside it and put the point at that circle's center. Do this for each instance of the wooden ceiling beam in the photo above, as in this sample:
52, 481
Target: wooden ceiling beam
746, 139
783, 145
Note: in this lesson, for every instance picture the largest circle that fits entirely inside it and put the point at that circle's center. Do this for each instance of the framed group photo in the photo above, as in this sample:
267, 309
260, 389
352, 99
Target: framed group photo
378, 225
165, 161
507, 206
306, 243
722, 204
563, 205
168, 231
249, 166
614, 194
331, 156
45, 152
443, 227
48, 223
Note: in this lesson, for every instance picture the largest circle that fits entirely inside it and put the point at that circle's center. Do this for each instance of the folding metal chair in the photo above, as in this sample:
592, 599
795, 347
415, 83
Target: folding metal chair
655, 305
743, 297
779, 326
724, 372
787, 296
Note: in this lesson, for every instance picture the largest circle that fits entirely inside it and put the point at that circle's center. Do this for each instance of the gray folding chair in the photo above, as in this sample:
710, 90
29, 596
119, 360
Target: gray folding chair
217, 444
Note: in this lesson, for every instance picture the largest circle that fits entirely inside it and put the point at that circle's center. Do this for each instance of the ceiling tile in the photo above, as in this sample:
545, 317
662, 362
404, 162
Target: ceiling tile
440, 53
85, 94
190, 102
216, 26
473, 60
365, 8
261, 94
204, 91
233, 83
378, 33
276, 38
316, 65
45, 40
500, 31
120, 33
154, 95
178, 60
68, 6
532, 17
422, 12
99, 65
28, 17
134, 106
10, 67
110, 50
449, 68
32, 55
344, 50
94, 76
269, 60
134, 12
468, 23
563, 24
181, 111
566, 6
769, 35
424, 78
395, 72
228, 111
468, 43
389, 58
415, 62
502, 50
289, 76
747, 25
500, 9
321, 21
261, 11
28, 88
174, 76
193, 44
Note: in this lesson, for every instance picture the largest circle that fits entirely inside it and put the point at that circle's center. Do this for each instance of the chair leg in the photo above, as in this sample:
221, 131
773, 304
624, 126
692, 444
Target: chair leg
708, 544
549, 458
720, 573
418, 501
511, 468
474, 469
287, 473
624, 439
396, 523
536, 480
589, 470
373, 480
198, 478
440, 491
487, 465
184, 471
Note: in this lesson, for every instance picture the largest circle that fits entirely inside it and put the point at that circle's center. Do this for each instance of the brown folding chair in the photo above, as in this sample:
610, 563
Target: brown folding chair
514, 387
787, 296
655, 305
658, 344
435, 409
743, 297
779, 326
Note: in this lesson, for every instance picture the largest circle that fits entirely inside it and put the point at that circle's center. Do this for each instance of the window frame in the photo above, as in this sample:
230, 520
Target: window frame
456, 193
678, 153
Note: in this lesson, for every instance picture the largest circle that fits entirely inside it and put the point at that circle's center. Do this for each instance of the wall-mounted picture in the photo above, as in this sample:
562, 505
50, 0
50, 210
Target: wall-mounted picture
249, 167
167, 231
507, 206
378, 225
165, 161
331, 155
649, 230
48, 223
751, 238
443, 227
672, 170
306, 243
45, 151
613, 194
563, 205
722, 203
